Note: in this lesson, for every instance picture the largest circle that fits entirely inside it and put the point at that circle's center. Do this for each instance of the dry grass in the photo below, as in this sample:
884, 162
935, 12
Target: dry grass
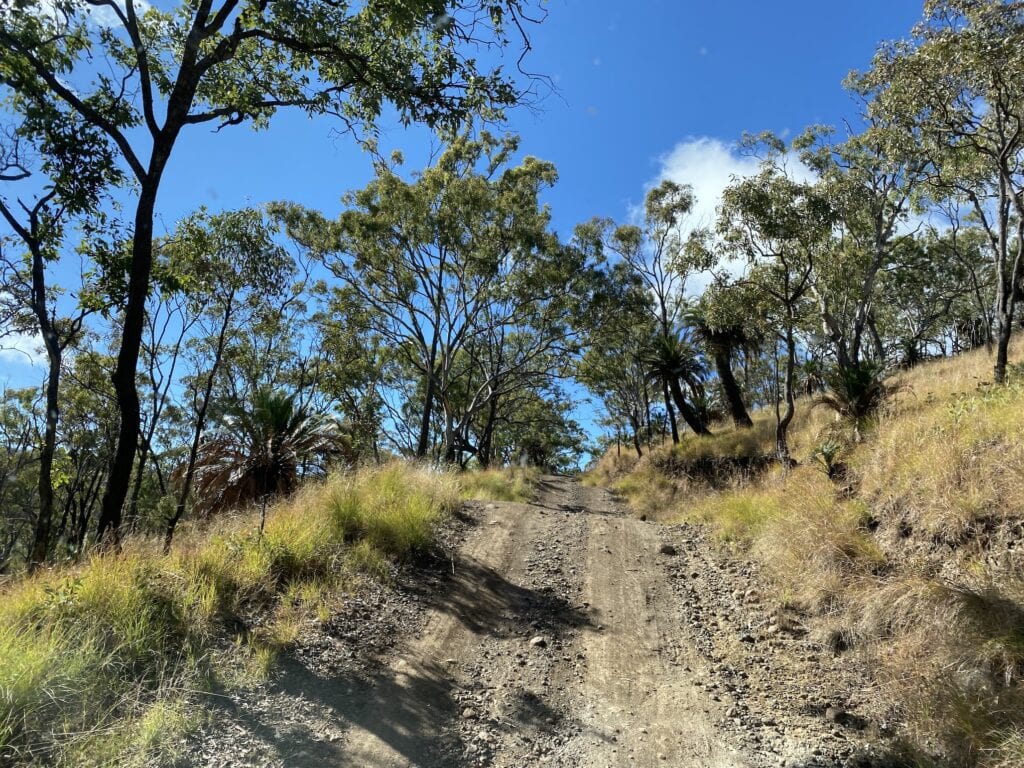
613, 465
97, 662
912, 553
507, 484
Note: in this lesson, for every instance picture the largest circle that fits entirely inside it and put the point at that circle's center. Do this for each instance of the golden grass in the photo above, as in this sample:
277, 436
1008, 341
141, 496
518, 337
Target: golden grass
507, 484
96, 660
910, 553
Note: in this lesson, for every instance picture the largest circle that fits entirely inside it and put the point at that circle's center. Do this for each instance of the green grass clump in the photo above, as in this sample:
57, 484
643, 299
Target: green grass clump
509, 484
97, 661
392, 509
736, 517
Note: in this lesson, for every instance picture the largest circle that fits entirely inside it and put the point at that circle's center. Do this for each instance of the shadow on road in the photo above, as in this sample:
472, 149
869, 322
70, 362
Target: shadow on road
408, 704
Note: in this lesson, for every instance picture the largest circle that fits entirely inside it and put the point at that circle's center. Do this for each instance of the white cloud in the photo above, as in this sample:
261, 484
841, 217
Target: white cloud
22, 348
709, 166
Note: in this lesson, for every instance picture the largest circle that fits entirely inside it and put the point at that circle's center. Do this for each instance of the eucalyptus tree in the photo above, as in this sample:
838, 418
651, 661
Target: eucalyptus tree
55, 169
459, 273
778, 227
656, 253
954, 89
528, 339
871, 184
937, 298
619, 329
18, 460
538, 428
228, 269
140, 76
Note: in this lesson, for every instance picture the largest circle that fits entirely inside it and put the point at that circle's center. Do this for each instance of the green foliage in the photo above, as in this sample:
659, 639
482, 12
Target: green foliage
829, 455
857, 392
261, 450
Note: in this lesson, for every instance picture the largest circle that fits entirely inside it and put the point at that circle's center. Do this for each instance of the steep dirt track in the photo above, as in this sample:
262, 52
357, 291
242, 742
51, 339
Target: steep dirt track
640, 685
556, 645
561, 633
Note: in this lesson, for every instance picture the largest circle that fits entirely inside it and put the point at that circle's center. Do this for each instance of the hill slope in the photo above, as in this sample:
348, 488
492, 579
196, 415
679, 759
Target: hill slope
904, 547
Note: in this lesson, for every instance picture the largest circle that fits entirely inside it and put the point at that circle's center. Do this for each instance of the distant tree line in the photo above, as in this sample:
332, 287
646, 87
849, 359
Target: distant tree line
440, 316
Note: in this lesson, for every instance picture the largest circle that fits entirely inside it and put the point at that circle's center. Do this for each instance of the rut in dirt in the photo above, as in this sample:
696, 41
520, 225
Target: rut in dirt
552, 644
563, 633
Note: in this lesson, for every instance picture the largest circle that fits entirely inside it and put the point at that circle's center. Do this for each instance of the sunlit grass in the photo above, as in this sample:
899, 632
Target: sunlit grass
97, 662
508, 484
909, 552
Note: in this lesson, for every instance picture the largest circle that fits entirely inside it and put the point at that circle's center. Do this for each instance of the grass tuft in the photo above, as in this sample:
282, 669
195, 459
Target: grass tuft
509, 484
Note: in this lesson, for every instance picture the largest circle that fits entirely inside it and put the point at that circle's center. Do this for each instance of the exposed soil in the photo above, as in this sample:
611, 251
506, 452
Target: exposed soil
559, 633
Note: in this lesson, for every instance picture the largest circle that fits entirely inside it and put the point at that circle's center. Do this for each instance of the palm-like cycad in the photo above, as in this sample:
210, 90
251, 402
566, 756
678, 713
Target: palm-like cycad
262, 451
673, 359
856, 392
721, 340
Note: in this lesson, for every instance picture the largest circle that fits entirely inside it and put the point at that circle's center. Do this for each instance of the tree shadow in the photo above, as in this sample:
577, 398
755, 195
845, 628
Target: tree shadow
409, 704
487, 603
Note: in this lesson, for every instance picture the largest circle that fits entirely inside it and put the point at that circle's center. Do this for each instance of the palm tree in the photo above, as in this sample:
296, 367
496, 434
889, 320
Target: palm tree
263, 451
673, 359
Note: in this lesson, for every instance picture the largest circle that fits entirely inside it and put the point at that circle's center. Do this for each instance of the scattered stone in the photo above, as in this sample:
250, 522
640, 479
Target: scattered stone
835, 714
469, 713
667, 549
539, 641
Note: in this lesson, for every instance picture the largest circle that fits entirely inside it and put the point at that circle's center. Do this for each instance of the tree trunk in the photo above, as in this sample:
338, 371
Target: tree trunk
731, 389
1004, 330
485, 453
44, 519
428, 403
782, 426
690, 416
123, 379
671, 413
634, 423
197, 436
142, 457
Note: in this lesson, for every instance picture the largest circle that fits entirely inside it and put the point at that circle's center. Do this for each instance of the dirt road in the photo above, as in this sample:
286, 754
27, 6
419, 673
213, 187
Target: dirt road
555, 646
562, 633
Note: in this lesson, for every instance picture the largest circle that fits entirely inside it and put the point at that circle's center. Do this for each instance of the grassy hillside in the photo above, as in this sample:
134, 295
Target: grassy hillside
912, 552
102, 663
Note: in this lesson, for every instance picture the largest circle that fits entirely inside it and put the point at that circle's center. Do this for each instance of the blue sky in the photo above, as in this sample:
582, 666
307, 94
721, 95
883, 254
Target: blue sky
635, 82
646, 89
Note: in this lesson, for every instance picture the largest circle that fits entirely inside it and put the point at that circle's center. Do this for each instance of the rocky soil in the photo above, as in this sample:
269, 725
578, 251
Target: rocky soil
559, 633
